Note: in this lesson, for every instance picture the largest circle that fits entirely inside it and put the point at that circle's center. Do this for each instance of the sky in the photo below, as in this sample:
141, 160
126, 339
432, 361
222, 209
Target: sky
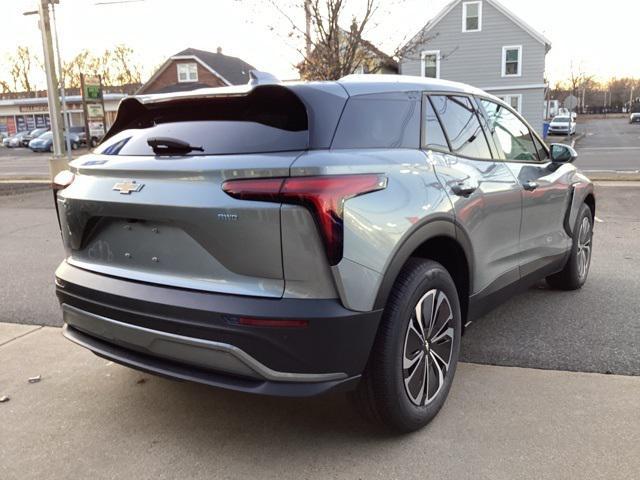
596, 37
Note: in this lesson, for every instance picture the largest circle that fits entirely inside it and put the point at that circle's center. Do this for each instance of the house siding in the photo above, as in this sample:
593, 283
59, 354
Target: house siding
169, 76
475, 58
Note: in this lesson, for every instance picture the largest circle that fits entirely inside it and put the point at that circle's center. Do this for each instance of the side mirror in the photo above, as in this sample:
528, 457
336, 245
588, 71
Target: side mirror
561, 153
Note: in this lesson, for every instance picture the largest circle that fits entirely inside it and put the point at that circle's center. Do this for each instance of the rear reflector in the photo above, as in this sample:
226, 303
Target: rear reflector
324, 196
268, 322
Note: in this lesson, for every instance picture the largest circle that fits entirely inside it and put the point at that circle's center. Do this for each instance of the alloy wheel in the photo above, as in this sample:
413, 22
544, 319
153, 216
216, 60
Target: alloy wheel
428, 346
584, 247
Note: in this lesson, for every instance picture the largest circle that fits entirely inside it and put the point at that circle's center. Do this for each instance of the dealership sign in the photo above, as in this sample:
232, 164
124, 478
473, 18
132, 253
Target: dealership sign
93, 106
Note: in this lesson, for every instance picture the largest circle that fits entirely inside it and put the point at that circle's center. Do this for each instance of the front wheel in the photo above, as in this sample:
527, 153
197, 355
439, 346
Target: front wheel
414, 358
574, 274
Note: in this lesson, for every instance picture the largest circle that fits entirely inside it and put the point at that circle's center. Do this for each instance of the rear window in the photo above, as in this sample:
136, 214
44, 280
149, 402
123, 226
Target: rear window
388, 120
268, 119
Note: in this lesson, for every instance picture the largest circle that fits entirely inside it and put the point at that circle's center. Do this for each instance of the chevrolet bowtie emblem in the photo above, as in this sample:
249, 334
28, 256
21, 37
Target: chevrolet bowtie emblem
127, 187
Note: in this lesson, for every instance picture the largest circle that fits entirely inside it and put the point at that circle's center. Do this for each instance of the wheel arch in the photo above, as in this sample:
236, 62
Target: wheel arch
439, 240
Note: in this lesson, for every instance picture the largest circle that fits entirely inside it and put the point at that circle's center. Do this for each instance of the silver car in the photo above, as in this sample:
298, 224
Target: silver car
295, 239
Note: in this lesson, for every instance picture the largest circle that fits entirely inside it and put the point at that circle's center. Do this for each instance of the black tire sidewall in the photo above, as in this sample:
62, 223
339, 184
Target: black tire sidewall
425, 275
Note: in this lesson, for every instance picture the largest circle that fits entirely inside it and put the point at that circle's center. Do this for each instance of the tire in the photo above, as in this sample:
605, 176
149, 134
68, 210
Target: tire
74, 146
94, 142
51, 148
575, 272
397, 388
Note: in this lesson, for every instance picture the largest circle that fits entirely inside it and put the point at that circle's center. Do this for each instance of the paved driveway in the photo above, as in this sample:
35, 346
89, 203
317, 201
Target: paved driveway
609, 144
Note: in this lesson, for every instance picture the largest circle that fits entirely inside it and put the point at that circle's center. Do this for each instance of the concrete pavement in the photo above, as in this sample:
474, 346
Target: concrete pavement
89, 418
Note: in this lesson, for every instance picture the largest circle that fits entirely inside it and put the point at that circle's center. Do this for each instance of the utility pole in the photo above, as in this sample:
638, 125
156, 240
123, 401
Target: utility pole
65, 114
52, 88
307, 17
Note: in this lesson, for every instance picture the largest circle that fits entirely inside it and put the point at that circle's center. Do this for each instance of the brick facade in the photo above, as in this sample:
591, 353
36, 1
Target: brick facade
169, 76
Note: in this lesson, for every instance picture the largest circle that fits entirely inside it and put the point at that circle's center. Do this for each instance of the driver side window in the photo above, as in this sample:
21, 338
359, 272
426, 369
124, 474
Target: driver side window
510, 133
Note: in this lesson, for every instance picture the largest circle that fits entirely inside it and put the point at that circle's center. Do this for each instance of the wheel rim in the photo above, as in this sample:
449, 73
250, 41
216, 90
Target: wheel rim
584, 247
428, 346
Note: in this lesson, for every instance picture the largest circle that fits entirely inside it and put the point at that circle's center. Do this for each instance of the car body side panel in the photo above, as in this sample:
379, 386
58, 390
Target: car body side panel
490, 216
582, 187
543, 238
376, 224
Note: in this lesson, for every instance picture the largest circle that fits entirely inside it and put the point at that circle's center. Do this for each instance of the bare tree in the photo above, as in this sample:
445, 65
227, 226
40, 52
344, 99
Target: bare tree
21, 69
331, 41
115, 66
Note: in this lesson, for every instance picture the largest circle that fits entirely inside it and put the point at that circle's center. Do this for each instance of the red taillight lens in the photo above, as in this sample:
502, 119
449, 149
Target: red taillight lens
268, 322
323, 196
62, 180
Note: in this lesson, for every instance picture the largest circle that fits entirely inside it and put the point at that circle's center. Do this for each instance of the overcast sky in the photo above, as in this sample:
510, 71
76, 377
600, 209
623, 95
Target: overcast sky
599, 36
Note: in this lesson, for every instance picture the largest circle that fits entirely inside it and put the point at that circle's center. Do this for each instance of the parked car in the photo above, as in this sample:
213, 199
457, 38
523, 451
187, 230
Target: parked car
296, 239
562, 125
15, 140
634, 117
33, 134
44, 143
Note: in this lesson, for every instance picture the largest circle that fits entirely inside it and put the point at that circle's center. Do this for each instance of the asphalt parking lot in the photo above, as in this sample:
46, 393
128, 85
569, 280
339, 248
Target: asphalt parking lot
595, 329
608, 144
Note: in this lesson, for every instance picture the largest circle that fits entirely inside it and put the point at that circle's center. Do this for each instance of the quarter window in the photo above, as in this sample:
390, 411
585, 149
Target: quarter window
461, 126
511, 61
187, 72
510, 133
432, 134
431, 64
471, 16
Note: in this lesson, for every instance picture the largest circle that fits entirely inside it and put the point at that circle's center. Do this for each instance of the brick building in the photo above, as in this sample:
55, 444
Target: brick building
191, 69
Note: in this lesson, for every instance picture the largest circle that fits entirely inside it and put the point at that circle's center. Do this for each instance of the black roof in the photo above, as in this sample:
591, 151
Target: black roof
233, 69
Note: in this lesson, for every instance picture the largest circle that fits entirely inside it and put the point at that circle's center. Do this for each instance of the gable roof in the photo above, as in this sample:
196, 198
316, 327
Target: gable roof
231, 70
498, 6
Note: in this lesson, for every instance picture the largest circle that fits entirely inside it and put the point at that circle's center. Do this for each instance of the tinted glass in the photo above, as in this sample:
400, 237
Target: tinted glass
510, 133
215, 137
462, 126
389, 120
433, 135
542, 151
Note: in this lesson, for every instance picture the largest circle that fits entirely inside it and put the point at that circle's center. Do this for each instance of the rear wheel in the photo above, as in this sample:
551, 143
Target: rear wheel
574, 274
415, 355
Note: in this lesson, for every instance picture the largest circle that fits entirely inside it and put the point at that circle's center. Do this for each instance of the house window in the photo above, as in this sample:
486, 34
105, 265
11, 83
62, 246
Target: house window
514, 101
512, 61
187, 72
431, 64
471, 16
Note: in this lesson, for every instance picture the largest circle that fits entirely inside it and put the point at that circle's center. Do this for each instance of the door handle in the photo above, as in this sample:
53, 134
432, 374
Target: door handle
464, 188
530, 186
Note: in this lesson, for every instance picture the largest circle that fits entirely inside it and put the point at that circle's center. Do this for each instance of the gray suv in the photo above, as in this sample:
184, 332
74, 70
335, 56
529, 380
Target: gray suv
299, 238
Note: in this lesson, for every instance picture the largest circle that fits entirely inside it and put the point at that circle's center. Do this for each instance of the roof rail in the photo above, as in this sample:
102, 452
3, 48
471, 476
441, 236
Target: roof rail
257, 77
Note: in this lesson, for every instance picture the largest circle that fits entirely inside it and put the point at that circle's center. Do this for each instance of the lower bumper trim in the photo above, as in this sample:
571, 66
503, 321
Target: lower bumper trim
177, 371
207, 354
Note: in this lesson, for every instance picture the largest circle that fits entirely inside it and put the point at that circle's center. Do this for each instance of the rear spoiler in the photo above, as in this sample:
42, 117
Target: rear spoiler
268, 103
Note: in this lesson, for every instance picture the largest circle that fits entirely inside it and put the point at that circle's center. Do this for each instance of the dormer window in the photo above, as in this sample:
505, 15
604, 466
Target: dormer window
471, 16
187, 72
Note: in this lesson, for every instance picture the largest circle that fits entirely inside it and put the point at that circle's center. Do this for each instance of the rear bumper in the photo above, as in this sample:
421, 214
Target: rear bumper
196, 336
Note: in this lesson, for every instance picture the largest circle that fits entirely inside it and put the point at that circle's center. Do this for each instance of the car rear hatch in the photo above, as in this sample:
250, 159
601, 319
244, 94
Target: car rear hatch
161, 216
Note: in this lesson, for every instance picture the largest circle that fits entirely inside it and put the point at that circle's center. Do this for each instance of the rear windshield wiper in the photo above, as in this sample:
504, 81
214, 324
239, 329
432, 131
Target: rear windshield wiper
171, 146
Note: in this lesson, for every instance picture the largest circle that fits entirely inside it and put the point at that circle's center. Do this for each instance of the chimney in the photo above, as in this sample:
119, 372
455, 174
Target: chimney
219, 50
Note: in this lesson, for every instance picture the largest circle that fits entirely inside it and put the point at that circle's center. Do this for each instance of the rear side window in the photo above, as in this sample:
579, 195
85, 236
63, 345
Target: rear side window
462, 126
269, 119
388, 120
511, 134
432, 134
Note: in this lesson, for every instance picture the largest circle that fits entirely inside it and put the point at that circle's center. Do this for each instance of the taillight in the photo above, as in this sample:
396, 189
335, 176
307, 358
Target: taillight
324, 196
62, 180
